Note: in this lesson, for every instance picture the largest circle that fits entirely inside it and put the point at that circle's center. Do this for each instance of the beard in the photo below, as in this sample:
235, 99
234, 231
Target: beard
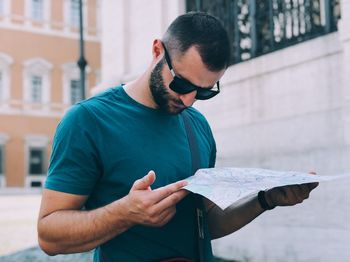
161, 96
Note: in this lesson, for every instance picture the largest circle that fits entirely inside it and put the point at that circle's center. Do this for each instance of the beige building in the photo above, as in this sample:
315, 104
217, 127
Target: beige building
39, 79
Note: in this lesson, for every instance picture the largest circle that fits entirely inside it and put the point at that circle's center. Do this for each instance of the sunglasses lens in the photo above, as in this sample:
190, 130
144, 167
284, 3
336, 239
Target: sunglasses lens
203, 94
181, 86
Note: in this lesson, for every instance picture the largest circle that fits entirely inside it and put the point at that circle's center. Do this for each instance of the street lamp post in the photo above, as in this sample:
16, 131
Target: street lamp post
82, 63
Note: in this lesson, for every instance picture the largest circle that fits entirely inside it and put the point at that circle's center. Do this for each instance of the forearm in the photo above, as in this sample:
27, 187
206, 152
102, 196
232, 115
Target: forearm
72, 231
224, 222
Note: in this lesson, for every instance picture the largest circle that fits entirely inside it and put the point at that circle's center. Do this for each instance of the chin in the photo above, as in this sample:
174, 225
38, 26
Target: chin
175, 111
171, 110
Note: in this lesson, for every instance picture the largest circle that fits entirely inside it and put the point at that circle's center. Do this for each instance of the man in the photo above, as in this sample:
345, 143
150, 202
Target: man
119, 160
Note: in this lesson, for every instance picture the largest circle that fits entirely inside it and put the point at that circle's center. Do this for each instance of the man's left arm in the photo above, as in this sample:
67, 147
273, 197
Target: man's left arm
224, 222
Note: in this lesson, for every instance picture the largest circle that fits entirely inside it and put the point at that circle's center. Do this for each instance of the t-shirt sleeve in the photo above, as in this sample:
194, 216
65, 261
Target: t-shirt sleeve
74, 164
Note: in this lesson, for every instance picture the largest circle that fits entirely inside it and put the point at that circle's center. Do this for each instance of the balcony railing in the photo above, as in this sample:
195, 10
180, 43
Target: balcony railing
257, 27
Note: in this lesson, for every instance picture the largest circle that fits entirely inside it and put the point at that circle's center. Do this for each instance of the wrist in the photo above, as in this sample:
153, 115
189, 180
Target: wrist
265, 201
118, 211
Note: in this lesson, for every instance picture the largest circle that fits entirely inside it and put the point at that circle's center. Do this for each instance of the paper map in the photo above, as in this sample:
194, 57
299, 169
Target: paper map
225, 186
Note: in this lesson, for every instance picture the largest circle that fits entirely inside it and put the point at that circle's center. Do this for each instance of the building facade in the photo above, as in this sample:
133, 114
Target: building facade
284, 110
39, 79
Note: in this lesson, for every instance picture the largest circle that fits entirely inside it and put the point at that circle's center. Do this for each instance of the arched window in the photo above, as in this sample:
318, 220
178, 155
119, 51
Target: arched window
37, 81
71, 83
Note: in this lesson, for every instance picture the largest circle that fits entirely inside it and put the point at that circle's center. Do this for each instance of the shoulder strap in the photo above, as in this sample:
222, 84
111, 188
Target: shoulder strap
192, 142
195, 166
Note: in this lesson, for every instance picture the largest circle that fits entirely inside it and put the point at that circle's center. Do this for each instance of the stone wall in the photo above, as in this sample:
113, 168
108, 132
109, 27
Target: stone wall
289, 110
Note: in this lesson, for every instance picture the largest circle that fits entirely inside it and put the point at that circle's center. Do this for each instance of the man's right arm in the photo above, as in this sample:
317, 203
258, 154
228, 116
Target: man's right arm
64, 228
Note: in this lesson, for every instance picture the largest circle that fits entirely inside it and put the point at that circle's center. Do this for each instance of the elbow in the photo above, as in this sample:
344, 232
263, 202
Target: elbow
47, 247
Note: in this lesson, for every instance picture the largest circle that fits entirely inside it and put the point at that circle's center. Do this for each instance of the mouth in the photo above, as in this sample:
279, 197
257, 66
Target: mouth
178, 105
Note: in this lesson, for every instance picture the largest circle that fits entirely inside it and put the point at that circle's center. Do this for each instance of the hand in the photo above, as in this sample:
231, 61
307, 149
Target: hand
153, 207
289, 195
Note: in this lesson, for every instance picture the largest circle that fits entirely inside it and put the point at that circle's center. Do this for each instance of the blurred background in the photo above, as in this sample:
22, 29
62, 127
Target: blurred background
285, 105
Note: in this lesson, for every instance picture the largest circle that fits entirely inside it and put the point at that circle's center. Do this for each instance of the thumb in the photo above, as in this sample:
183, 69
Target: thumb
144, 182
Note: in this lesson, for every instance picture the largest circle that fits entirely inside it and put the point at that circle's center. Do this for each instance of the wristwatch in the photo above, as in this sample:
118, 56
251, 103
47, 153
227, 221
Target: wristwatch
262, 201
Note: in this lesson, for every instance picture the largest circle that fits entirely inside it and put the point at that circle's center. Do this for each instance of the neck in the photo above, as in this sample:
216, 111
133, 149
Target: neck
139, 90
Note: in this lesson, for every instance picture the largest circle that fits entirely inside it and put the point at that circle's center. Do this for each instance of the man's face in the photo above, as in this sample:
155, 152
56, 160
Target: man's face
162, 95
188, 66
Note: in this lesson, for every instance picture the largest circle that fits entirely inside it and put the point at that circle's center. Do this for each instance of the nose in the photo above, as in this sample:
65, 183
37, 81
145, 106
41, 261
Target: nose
189, 98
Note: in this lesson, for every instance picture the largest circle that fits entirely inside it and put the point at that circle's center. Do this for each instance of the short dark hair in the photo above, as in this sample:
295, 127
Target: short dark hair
203, 31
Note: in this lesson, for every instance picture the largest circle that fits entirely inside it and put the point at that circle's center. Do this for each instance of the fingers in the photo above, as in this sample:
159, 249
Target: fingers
291, 194
164, 217
144, 182
171, 200
298, 193
302, 192
163, 192
312, 186
154, 207
156, 218
295, 194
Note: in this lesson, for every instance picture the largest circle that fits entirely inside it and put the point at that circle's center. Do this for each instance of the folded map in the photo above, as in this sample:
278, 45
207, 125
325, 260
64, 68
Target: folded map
225, 186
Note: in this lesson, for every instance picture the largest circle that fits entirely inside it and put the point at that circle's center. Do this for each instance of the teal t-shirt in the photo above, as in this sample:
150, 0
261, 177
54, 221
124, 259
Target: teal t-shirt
103, 144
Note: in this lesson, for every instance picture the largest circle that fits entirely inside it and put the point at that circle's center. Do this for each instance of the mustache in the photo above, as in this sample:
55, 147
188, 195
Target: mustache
179, 102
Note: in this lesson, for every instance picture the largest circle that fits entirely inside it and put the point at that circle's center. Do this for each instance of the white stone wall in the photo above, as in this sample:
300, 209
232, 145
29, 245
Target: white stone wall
281, 106
128, 30
288, 110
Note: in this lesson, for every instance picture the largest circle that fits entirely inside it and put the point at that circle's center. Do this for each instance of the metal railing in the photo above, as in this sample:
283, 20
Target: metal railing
257, 27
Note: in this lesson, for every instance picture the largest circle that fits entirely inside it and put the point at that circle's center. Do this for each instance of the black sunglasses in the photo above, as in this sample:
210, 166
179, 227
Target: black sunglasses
183, 86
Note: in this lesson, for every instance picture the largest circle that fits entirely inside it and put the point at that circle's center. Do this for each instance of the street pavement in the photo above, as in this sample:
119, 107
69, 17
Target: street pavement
19, 210
18, 215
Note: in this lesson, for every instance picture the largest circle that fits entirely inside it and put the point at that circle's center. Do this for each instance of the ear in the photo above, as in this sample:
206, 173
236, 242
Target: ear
157, 49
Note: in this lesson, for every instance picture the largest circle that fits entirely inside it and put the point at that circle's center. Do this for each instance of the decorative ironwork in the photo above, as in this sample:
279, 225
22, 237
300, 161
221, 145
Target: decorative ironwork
257, 27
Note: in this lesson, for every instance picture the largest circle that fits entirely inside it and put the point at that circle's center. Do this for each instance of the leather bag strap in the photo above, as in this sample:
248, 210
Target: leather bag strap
198, 199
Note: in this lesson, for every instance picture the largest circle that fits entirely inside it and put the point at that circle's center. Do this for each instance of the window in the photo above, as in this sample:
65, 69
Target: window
74, 13
37, 81
36, 161
5, 9
72, 92
5, 77
75, 92
37, 10
36, 89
